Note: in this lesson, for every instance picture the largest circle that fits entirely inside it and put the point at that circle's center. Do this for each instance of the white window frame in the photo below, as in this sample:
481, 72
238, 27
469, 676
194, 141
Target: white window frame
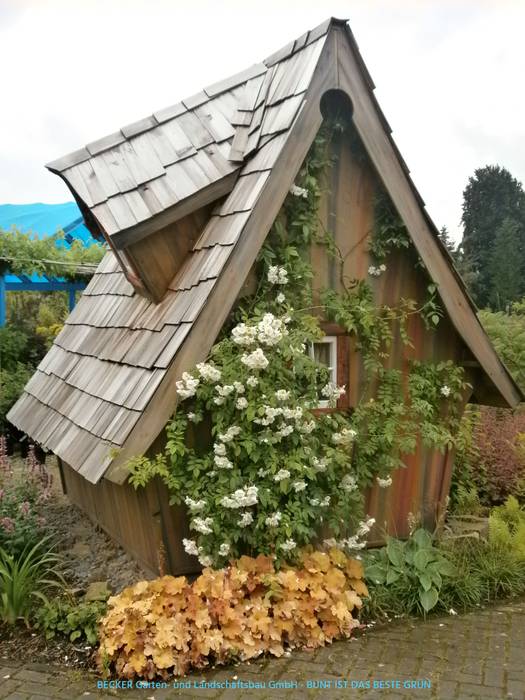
332, 341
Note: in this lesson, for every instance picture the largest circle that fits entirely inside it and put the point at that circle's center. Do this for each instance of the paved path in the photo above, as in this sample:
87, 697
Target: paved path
480, 655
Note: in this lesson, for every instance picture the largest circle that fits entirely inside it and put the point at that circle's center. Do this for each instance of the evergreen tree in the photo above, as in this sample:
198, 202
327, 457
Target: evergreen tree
506, 267
447, 240
491, 196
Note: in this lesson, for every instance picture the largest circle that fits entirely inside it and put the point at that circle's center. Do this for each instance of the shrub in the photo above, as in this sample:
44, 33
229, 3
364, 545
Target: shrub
406, 577
500, 439
490, 459
167, 626
24, 577
21, 496
74, 619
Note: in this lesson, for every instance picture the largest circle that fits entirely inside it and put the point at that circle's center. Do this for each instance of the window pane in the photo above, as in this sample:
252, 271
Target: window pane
322, 353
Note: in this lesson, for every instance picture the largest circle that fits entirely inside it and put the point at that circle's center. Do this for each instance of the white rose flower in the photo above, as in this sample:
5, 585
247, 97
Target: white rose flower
349, 483
252, 381
297, 191
222, 462
288, 545
277, 275
208, 372
282, 395
241, 498
384, 483
255, 360
270, 330
445, 390
219, 448
281, 474
241, 403
202, 525
187, 386
274, 519
299, 486
190, 547
205, 560
246, 519
239, 388
345, 437
280, 298
194, 505
224, 549
225, 390
232, 432
244, 335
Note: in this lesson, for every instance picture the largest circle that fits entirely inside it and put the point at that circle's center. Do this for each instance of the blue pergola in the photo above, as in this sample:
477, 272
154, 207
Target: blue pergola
42, 220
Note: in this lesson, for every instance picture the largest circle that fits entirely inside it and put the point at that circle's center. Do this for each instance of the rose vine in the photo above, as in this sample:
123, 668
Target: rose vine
259, 470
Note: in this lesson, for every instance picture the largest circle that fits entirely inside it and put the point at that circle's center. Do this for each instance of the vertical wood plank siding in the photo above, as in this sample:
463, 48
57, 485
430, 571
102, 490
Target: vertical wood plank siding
347, 211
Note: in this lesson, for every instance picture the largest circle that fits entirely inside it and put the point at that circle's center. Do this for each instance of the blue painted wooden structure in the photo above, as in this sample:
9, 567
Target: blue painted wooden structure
42, 220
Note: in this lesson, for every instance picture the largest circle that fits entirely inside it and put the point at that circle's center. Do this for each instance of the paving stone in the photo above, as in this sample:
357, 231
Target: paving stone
7, 686
470, 656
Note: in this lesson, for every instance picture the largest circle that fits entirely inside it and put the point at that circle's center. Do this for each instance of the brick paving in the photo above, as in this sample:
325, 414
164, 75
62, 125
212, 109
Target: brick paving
480, 655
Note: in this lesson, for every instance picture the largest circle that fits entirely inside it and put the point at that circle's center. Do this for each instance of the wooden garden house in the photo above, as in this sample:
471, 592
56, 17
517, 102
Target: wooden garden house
185, 198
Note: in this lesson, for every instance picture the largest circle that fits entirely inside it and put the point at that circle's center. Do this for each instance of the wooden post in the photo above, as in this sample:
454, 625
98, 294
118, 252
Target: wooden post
2, 301
72, 297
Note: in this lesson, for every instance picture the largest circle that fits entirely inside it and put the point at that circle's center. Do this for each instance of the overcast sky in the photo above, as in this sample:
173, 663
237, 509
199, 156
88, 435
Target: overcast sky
449, 76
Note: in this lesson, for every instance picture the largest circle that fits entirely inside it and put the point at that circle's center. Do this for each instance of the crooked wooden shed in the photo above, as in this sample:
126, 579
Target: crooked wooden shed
185, 199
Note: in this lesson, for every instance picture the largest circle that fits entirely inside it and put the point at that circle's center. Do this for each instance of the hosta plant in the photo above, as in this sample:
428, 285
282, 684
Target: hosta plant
412, 570
167, 626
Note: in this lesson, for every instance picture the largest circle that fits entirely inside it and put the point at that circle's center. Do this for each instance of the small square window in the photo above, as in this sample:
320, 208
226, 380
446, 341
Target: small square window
325, 353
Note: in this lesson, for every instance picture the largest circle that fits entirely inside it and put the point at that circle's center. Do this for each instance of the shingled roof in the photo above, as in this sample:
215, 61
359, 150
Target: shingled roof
105, 390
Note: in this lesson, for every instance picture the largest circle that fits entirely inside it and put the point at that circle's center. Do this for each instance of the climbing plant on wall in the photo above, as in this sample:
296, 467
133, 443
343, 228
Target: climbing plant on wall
258, 468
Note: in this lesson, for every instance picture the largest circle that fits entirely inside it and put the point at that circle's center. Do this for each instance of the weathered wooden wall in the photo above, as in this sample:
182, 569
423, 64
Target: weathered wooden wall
141, 521
347, 211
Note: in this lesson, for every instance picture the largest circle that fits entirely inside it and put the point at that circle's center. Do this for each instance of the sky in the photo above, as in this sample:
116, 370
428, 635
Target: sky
449, 76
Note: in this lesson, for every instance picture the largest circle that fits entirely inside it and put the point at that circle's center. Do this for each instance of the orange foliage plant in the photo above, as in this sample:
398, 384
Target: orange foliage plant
165, 627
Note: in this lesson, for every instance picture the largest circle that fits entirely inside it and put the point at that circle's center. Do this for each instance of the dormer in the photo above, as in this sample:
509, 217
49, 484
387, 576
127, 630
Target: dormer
149, 188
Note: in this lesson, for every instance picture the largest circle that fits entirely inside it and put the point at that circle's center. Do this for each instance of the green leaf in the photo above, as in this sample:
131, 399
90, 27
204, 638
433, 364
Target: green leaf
395, 552
422, 538
375, 573
425, 581
428, 598
421, 559
445, 568
392, 576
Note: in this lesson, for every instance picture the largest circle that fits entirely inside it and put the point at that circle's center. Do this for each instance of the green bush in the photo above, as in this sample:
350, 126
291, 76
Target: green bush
24, 577
76, 620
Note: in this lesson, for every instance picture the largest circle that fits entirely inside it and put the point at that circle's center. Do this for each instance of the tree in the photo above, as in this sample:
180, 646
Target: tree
506, 266
447, 240
491, 196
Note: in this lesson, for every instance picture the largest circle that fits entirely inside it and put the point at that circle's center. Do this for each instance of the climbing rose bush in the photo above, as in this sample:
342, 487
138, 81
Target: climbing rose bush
273, 475
165, 627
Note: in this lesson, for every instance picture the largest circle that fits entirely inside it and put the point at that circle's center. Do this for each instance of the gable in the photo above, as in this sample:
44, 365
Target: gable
106, 389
